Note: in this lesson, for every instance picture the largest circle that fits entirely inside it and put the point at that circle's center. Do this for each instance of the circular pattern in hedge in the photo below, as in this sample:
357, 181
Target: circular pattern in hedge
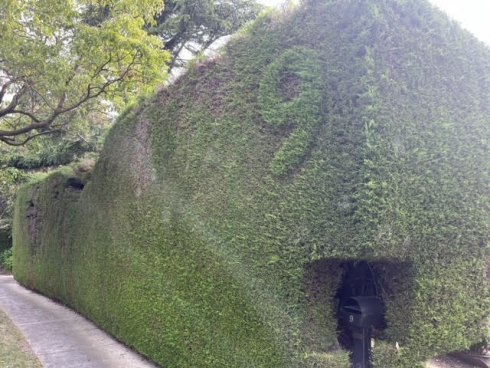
290, 95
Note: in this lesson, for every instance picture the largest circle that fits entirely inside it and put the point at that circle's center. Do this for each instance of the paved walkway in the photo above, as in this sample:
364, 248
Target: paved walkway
60, 337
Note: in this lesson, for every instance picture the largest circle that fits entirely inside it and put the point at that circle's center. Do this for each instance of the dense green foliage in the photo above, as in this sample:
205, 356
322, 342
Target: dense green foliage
46, 153
219, 213
291, 94
54, 64
10, 179
6, 259
5, 239
192, 26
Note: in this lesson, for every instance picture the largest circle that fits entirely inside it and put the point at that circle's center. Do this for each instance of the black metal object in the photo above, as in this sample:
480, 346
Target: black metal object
361, 349
363, 311
361, 314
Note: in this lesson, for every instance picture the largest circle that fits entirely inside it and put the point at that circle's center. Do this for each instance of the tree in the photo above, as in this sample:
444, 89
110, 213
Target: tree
194, 25
84, 134
53, 62
59, 58
10, 179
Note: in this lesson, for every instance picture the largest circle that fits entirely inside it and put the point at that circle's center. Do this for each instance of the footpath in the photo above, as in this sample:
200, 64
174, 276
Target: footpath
60, 337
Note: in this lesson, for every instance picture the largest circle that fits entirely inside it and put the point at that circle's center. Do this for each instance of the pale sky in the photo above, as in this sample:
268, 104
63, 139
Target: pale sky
474, 15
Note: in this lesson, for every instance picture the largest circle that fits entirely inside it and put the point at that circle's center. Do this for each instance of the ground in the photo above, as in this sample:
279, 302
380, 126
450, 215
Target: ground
15, 352
447, 362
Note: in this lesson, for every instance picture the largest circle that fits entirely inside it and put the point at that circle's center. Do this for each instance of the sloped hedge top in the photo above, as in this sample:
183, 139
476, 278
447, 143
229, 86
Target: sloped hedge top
345, 130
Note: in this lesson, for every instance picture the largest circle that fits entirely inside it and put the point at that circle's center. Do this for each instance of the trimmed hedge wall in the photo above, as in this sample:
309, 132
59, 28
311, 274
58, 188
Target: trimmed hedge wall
217, 220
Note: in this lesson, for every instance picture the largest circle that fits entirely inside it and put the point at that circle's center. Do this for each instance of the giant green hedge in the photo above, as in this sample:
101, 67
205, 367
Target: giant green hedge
215, 226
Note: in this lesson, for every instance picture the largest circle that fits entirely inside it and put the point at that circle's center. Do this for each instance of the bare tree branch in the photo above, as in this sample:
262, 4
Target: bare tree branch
48, 72
26, 113
13, 142
14, 102
37, 123
5, 86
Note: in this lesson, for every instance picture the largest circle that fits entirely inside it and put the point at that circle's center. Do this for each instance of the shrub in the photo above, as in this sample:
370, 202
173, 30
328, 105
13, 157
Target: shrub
6, 260
214, 227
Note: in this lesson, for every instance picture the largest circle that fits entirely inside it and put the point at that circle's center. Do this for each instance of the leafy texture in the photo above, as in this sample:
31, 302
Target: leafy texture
10, 179
53, 64
192, 26
213, 229
291, 94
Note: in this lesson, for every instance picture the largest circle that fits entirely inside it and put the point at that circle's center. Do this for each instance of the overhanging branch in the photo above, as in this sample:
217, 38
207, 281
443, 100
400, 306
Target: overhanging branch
43, 124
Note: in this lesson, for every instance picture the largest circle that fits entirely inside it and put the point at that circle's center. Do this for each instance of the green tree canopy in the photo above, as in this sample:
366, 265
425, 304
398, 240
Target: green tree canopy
194, 25
54, 63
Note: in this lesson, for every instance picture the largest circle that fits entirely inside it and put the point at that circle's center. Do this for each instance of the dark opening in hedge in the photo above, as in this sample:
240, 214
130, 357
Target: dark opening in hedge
329, 281
359, 278
75, 183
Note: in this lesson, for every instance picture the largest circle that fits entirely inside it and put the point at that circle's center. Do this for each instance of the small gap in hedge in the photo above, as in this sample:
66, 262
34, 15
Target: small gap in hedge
75, 183
359, 278
329, 281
